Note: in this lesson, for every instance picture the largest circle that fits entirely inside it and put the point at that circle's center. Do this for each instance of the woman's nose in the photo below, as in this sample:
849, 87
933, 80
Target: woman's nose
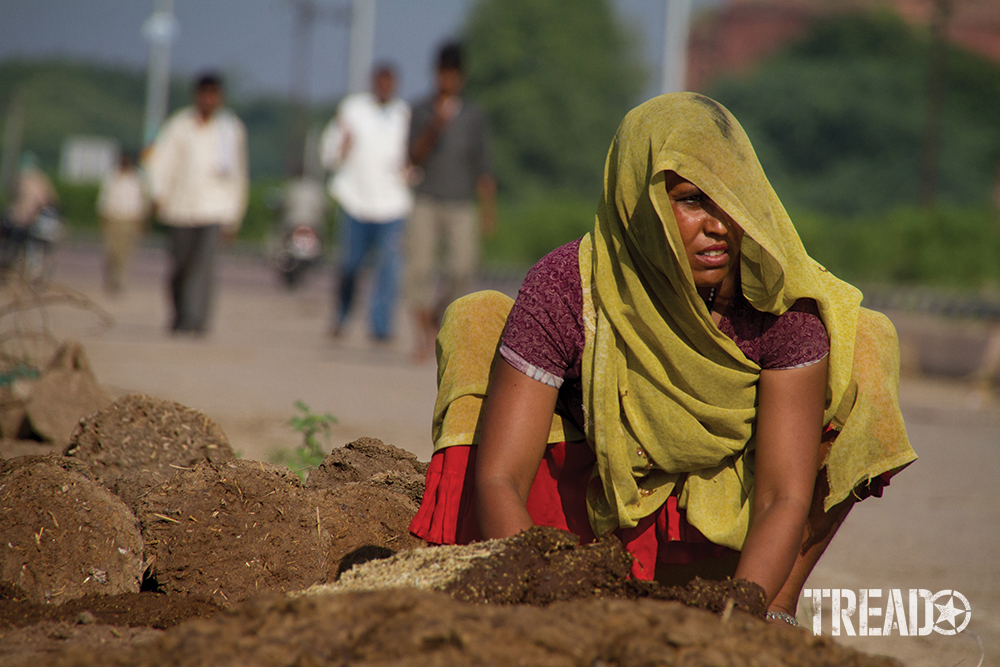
712, 225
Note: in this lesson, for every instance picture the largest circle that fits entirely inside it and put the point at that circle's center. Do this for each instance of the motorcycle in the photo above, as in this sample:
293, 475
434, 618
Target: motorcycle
299, 249
297, 245
30, 250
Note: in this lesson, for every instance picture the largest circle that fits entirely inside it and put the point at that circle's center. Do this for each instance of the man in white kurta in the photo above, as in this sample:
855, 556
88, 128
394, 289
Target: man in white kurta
199, 179
365, 145
122, 206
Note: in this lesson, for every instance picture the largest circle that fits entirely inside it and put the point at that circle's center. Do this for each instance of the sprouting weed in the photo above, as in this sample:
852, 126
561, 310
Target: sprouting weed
312, 451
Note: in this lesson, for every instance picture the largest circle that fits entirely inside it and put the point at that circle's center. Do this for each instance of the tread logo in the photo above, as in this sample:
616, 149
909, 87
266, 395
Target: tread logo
946, 612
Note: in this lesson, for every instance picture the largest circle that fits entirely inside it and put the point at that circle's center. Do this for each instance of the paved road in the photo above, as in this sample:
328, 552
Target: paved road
937, 528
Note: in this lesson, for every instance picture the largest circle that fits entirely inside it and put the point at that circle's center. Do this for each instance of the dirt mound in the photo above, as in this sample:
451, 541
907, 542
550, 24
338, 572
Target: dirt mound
11, 448
64, 534
30, 645
235, 530
411, 627
538, 567
235, 535
138, 432
370, 461
154, 610
543, 565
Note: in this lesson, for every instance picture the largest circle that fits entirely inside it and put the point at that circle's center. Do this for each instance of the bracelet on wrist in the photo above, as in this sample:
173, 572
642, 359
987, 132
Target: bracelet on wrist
782, 616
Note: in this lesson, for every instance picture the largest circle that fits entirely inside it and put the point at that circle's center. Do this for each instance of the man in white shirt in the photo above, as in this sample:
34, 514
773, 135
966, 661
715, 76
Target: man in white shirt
200, 180
122, 206
366, 146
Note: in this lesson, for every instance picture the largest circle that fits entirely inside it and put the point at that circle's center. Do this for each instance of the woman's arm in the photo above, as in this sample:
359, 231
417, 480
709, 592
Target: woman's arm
516, 422
789, 427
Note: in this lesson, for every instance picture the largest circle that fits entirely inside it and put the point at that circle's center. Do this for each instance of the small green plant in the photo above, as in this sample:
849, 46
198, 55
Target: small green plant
311, 452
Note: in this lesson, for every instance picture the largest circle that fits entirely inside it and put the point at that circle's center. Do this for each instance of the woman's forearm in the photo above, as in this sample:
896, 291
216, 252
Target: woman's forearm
501, 509
772, 545
516, 421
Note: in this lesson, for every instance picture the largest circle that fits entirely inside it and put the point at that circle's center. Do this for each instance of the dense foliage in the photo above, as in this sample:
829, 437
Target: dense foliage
954, 247
555, 80
61, 99
838, 119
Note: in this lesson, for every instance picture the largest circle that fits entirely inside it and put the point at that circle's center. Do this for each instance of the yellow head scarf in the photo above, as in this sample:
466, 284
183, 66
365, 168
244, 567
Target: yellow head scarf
669, 400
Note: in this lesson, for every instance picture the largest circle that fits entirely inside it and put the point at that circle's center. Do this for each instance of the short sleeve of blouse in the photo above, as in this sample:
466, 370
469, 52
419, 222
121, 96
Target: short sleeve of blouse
796, 338
543, 337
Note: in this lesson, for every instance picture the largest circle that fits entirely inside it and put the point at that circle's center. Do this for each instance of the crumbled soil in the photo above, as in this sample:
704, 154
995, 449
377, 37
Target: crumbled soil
376, 464
236, 530
146, 609
191, 561
64, 535
138, 432
413, 627
538, 567
544, 565
30, 645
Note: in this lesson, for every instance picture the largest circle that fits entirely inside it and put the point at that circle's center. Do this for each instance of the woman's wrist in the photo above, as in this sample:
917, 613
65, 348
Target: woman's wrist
776, 614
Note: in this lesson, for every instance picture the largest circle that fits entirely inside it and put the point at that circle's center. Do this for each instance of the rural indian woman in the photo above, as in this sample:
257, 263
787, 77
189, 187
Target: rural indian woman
685, 376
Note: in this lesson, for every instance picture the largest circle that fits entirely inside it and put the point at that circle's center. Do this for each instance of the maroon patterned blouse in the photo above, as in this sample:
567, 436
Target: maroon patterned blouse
544, 335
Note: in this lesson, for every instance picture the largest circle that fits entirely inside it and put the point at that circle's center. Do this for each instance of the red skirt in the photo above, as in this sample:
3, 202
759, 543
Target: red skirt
558, 498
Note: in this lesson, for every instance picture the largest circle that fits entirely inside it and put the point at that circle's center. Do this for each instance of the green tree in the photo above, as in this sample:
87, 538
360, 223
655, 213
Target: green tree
838, 118
63, 98
555, 79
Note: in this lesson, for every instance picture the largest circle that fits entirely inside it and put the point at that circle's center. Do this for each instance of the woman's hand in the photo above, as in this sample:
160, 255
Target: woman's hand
789, 427
516, 422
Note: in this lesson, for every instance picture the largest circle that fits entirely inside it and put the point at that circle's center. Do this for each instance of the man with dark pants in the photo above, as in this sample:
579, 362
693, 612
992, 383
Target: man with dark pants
365, 145
449, 146
199, 180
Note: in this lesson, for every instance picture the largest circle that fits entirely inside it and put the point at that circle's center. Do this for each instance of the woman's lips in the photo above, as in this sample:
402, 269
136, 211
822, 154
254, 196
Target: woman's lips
713, 256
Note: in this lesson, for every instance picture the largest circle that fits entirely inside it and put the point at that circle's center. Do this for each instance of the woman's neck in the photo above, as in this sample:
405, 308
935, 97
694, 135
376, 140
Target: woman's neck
717, 297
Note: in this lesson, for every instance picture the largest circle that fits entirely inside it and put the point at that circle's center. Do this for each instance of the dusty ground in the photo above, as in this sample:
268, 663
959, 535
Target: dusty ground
935, 528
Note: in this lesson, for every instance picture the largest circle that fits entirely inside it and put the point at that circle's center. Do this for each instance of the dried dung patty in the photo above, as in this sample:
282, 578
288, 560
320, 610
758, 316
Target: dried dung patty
64, 535
138, 432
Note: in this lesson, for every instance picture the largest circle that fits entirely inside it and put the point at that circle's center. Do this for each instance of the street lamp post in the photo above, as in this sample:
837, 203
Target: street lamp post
159, 29
675, 43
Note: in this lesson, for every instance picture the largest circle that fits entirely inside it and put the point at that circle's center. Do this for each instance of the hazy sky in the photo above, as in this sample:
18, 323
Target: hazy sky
251, 40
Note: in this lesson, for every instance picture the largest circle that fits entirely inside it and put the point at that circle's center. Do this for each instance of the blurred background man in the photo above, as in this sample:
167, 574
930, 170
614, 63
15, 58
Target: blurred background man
365, 145
199, 179
33, 194
449, 144
122, 207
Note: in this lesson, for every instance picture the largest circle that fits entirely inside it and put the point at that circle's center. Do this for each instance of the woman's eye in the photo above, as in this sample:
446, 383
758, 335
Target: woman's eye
696, 198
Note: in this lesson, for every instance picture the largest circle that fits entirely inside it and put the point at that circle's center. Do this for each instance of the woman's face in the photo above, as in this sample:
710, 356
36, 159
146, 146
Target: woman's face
711, 238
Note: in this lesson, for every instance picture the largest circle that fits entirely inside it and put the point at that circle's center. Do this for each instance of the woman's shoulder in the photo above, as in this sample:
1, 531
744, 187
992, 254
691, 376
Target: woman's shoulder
562, 265
545, 325
553, 284
797, 338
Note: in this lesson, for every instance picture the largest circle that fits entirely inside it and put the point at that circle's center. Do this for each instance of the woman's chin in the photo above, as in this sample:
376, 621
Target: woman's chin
710, 277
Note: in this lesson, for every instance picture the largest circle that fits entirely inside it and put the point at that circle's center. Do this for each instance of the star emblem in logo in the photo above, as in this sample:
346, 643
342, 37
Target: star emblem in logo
948, 612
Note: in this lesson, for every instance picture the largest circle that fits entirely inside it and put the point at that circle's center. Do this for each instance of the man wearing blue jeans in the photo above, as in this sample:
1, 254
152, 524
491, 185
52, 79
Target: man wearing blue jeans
357, 239
365, 145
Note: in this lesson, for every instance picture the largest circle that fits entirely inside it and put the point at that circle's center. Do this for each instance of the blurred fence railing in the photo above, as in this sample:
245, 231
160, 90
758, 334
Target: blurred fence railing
933, 301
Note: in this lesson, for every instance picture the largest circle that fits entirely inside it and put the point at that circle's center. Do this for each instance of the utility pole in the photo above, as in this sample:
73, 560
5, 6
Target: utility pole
307, 12
362, 45
675, 44
159, 29
937, 59
12, 133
